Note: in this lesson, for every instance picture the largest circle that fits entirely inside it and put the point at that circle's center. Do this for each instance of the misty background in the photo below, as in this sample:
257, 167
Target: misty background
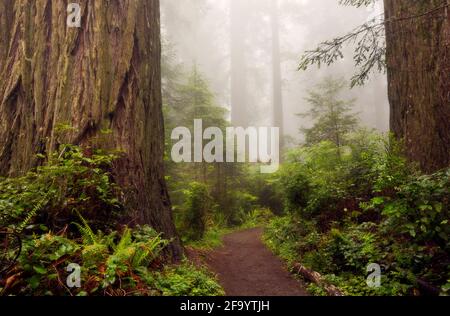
231, 43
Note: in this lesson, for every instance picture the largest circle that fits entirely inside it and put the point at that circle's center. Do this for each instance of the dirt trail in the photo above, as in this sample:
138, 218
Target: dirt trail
247, 268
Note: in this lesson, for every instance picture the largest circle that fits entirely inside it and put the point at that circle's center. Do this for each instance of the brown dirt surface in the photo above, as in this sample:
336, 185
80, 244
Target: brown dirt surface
246, 267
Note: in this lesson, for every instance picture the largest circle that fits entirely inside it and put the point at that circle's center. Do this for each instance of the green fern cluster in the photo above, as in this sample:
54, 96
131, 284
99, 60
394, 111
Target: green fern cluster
109, 262
121, 257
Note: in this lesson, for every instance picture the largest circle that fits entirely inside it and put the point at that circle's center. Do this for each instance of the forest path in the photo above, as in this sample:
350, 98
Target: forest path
246, 267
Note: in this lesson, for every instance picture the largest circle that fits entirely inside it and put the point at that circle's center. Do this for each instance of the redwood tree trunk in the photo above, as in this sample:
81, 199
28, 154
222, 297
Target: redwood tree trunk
239, 97
104, 75
278, 113
418, 37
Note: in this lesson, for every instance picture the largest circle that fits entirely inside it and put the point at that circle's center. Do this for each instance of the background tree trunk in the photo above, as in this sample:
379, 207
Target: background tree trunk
239, 98
418, 36
102, 76
278, 113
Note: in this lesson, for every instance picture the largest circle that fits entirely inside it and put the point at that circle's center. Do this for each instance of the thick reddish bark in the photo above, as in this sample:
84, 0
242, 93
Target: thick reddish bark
418, 37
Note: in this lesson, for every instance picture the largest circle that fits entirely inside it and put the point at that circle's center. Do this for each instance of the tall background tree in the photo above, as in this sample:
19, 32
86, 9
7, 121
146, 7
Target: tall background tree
278, 113
104, 75
238, 71
418, 61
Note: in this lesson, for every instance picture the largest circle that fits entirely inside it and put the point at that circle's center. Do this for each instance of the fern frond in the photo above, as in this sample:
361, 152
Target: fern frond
33, 213
88, 235
141, 257
124, 242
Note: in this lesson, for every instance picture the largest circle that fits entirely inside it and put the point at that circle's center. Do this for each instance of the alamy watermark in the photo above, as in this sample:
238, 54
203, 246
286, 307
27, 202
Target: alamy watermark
374, 278
74, 278
73, 15
253, 145
210, 145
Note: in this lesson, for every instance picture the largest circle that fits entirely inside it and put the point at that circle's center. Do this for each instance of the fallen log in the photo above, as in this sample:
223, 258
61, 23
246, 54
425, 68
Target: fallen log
427, 288
316, 278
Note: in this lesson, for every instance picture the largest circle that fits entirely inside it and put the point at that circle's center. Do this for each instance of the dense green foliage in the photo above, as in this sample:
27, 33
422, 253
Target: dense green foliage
113, 264
208, 198
346, 199
198, 204
51, 195
188, 280
368, 206
67, 212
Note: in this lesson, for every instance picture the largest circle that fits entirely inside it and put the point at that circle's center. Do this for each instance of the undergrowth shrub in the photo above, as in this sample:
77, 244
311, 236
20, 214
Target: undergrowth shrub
188, 280
258, 217
66, 212
48, 197
281, 236
351, 250
241, 205
420, 209
197, 207
108, 261
125, 264
364, 203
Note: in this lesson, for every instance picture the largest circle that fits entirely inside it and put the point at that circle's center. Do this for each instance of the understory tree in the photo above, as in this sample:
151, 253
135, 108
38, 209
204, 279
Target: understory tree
332, 115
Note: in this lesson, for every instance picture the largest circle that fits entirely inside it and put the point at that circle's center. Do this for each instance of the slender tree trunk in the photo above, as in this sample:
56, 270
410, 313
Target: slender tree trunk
418, 37
239, 115
278, 112
103, 75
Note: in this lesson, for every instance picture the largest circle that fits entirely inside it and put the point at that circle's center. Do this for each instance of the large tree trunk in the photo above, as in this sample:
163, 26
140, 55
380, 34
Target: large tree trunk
104, 75
418, 36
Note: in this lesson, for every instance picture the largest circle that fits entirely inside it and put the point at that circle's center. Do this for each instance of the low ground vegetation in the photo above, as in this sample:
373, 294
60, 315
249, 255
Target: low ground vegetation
348, 207
66, 213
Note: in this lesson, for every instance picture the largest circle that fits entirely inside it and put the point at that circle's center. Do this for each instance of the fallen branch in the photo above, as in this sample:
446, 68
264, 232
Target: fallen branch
316, 278
427, 288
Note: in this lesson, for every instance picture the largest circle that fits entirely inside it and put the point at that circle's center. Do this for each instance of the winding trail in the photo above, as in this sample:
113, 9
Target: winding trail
246, 267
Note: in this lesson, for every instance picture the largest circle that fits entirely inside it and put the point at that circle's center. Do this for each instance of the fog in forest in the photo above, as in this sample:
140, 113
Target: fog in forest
213, 34
178, 148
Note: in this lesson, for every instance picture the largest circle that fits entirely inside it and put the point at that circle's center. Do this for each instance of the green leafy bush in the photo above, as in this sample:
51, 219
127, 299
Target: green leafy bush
420, 208
258, 217
281, 236
50, 196
197, 208
188, 280
366, 205
66, 212
241, 205
353, 249
107, 260
123, 264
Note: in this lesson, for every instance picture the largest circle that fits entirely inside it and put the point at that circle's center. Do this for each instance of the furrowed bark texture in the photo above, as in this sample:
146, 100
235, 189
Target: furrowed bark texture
104, 75
418, 38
